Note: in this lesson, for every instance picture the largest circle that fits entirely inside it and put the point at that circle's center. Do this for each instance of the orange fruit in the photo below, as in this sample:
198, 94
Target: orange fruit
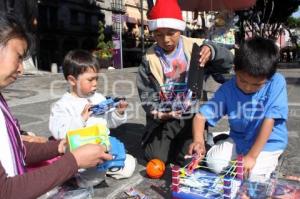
155, 168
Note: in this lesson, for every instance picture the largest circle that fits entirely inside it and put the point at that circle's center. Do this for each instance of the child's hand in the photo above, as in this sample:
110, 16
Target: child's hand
176, 114
62, 146
166, 115
197, 148
122, 107
205, 55
86, 113
249, 162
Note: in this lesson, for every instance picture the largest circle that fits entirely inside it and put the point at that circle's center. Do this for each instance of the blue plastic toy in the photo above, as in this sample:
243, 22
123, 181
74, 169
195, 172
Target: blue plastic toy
117, 150
106, 105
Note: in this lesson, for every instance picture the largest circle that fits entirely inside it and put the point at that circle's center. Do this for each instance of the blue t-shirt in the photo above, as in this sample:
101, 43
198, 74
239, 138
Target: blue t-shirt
246, 112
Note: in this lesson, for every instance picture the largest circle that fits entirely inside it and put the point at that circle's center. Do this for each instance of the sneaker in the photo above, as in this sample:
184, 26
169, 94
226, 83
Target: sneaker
125, 172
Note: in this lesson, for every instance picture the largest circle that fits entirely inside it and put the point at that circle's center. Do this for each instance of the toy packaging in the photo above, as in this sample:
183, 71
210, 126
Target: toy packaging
99, 134
96, 134
200, 183
274, 188
136, 194
176, 97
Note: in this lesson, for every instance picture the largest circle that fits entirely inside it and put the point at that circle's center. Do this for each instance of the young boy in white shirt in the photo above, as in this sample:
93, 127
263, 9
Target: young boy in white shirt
73, 109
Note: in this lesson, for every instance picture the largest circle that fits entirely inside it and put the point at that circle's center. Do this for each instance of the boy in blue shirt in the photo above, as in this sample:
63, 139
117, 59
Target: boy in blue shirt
255, 102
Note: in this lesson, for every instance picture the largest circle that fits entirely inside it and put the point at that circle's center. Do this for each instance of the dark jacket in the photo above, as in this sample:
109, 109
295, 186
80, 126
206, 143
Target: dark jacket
150, 76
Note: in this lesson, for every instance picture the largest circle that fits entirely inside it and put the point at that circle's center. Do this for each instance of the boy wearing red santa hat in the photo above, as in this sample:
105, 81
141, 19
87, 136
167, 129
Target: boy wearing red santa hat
168, 134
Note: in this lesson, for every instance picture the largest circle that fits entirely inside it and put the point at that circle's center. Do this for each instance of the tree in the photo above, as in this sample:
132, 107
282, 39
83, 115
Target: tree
266, 18
293, 22
105, 49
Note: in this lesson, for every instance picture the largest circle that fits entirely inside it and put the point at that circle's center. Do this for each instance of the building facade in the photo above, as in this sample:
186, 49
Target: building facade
63, 25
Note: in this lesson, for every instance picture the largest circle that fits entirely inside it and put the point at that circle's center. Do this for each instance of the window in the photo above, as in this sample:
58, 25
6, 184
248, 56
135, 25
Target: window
74, 17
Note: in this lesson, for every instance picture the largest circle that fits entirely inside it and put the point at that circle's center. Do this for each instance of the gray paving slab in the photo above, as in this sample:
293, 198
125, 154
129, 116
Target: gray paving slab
31, 96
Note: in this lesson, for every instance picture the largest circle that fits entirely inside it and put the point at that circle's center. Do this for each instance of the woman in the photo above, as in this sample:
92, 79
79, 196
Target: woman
15, 182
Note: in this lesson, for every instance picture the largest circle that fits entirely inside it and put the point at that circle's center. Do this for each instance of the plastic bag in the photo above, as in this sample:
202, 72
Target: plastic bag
89, 177
68, 193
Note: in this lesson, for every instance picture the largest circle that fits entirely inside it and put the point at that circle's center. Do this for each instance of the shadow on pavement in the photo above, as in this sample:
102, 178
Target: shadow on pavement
293, 80
131, 134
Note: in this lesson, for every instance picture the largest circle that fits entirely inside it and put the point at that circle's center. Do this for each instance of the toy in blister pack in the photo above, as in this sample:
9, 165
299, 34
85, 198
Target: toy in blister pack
96, 134
200, 183
117, 150
105, 106
272, 188
176, 97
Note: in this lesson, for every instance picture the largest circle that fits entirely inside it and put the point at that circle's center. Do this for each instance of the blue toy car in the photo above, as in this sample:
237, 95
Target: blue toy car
106, 105
118, 152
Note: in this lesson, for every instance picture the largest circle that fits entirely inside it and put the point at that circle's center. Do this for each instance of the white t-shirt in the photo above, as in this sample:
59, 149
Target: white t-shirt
66, 115
7, 157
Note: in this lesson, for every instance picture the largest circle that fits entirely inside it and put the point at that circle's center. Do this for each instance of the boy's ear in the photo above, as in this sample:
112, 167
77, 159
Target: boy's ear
72, 80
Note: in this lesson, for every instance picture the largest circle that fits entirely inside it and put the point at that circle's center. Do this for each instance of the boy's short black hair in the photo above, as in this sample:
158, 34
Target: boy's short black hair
77, 62
257, 57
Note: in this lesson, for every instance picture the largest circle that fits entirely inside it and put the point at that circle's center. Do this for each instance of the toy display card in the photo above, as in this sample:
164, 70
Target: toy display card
196, 73
205, 185
279, 189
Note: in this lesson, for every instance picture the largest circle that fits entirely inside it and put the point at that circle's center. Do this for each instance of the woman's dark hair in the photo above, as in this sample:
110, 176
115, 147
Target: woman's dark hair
11, 28
257, 57
77, 62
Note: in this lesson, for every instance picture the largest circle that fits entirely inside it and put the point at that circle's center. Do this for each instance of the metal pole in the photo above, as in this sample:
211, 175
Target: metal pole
121, 47
142, 28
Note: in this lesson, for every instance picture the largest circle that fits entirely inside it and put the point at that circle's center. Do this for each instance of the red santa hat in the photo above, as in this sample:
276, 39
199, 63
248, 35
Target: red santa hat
166, 14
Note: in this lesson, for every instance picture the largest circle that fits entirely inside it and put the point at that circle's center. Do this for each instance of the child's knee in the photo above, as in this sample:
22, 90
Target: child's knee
217, 164
220, 155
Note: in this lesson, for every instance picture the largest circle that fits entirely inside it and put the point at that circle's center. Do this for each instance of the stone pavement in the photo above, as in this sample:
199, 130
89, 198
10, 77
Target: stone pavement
31, 96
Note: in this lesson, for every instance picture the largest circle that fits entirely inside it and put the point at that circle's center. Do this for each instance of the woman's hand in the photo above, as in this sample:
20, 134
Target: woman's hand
33, 138
90, 155
205, 55
249, 162
86, 112
122, 107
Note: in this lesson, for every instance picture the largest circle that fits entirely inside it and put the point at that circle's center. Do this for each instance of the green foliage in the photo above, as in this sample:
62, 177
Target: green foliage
267, 17
293, 22
105, 49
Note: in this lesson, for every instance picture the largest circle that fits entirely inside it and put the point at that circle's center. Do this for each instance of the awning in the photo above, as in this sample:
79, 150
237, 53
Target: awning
133, 15
215, 5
